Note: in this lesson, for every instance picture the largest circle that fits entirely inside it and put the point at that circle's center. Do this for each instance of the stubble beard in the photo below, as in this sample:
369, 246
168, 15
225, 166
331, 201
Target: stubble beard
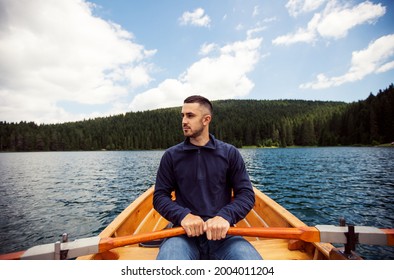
193, 134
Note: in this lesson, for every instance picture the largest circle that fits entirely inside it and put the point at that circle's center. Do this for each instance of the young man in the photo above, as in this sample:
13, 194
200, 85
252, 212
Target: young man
203, 171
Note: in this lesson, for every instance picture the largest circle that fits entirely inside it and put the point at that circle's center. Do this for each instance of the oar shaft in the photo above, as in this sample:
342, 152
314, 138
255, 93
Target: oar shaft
390, 236
308, 234
12, 256
110, 243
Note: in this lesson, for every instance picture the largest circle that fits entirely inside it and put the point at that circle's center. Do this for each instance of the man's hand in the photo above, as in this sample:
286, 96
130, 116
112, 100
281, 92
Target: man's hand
216, 228
193, 225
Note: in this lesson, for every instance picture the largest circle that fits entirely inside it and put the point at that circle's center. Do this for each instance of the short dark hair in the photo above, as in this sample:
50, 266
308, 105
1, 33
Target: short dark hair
200, 100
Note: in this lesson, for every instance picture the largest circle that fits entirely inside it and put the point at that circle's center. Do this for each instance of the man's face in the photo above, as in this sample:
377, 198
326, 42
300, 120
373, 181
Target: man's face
193, 115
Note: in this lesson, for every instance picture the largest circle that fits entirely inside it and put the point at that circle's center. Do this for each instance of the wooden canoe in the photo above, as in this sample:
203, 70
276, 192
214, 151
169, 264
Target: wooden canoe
140, 217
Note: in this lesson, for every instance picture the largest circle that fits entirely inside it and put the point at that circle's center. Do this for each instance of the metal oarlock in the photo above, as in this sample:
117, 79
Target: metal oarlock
59, 253
352, 240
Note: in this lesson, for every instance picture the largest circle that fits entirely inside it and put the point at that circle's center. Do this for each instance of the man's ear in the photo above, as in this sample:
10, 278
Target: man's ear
207, 119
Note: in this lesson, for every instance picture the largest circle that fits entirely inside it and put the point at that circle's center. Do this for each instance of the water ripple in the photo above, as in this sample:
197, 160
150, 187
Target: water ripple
43, 195
320, 185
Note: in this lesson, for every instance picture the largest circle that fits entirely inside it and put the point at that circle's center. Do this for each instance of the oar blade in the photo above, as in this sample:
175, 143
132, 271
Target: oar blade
365, 235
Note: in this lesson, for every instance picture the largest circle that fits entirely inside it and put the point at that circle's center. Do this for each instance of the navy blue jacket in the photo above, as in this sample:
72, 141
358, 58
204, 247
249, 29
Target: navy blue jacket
203, 179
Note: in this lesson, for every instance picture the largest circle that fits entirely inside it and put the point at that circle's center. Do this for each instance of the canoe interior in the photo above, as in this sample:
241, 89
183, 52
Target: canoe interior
140, 217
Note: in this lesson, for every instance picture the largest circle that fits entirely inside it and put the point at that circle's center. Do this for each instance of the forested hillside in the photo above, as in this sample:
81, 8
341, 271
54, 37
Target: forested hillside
240, 122
368, 122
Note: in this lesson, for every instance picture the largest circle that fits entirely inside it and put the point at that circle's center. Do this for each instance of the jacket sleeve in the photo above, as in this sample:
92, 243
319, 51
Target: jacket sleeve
244, 197
165, 185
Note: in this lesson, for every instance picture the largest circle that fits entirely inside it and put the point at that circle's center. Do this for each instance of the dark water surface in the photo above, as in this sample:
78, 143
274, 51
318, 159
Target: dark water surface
43, 195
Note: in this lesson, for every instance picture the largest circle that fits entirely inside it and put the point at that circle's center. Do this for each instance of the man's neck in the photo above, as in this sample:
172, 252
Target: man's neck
201, 140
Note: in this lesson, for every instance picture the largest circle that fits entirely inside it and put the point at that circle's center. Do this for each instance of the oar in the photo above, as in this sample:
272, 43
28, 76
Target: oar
88, 246
94, 245
321, 233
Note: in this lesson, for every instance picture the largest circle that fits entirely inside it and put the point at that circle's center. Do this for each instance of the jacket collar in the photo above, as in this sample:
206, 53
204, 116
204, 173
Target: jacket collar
210, 145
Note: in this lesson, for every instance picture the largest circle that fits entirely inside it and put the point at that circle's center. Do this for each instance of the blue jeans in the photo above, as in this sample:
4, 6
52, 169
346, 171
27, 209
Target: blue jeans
200, 248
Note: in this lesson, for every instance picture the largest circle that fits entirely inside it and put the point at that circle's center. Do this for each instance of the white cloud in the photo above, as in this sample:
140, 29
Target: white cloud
256, 11
58, 51
304, 35
270, 19
385, 67
220, 77
297, 7
197, 18
208, 48
169, 93
337, 21
251, 32
376, 58
333, 22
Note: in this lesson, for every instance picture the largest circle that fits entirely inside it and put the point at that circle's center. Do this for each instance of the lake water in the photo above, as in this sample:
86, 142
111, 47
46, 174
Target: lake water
43, 195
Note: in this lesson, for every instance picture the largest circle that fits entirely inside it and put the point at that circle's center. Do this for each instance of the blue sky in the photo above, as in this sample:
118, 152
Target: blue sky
69, 60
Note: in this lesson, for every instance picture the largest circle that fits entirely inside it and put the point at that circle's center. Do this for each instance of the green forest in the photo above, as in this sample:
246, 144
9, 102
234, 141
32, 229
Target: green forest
261, 123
